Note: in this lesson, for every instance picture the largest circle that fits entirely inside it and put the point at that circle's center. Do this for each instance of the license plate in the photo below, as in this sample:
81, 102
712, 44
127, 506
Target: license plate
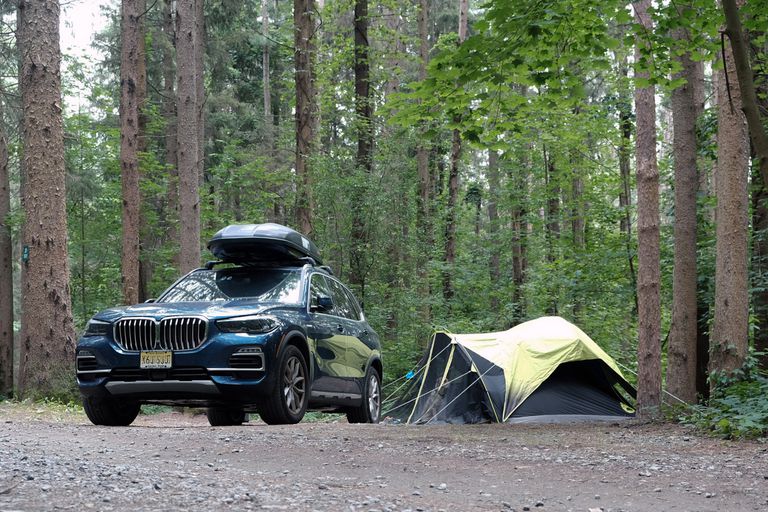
156, 359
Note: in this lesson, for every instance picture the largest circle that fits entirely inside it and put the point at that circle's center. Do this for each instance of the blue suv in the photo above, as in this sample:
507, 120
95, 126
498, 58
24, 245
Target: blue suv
266, 329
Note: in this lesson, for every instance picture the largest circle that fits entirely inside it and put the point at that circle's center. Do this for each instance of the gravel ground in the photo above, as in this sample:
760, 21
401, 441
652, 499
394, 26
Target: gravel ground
56, 460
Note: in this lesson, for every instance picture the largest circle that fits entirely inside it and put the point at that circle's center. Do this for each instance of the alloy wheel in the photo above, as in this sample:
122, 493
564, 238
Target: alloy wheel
374, 398
294, 385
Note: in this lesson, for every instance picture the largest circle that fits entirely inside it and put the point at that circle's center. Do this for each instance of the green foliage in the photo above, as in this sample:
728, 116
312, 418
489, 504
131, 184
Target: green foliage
738, 406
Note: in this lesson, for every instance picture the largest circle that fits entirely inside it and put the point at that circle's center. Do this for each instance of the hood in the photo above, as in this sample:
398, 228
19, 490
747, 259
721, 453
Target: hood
210, 310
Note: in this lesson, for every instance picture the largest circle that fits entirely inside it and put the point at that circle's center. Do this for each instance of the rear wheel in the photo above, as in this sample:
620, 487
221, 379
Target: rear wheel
288, 401
111, 412
370, 410
225, 416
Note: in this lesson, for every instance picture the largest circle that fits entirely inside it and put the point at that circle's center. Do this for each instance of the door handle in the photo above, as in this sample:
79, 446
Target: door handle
340, 328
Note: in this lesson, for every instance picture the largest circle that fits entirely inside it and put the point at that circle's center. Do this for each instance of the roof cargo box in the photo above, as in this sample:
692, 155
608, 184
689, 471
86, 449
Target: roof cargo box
257, 243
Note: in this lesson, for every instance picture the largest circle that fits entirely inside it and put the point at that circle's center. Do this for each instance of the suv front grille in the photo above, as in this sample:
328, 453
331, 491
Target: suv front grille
174, 333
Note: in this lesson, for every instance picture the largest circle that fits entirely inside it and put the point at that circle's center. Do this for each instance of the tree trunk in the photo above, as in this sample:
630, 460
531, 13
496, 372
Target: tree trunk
625, 195
552, 183
760, 252
359, 252
265, 78
130, 78
47, 332
422, 151
423, 210
304, 27
730, 331
146, 265
188, 136
200, 88
6, 266
746, 84
450, 217
494, 186
752, 107
681, 356
171, 141
519, 237
453, 181
649, 274
578, 228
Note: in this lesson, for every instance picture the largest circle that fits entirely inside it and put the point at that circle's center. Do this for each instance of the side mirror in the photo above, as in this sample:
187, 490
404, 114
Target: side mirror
324, 303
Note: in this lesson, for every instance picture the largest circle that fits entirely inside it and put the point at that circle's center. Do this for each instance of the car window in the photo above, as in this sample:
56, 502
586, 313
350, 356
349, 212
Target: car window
357, 311
262, 284
319, 286
344, 306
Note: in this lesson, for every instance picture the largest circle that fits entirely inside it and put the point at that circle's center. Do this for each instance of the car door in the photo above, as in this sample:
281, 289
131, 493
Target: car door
356, 337
327, 333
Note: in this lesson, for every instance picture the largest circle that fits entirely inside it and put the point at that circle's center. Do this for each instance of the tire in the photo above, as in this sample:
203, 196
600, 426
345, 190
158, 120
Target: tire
225, 416
370, 410
288, 401
111, 412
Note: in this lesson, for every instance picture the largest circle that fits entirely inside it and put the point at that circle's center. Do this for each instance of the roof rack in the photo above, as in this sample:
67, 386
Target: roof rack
307, 260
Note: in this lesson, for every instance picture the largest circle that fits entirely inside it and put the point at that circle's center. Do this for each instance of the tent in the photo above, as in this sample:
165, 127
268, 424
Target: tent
545, 370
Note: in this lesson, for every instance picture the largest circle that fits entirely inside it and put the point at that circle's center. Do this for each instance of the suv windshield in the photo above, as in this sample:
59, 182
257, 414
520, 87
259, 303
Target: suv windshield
262, 284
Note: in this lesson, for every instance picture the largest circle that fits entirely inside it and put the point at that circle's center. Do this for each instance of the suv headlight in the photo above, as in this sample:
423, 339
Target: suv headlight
97, 328
255, 324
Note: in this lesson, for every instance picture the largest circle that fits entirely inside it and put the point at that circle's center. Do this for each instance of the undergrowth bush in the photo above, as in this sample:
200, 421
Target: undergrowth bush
739, 404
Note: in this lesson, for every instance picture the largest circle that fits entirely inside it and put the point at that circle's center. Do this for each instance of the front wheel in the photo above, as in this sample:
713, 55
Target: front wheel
370, 409
288, 401
111, 412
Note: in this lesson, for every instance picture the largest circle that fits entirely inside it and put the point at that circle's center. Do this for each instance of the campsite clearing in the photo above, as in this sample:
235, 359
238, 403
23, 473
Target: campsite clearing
171, 461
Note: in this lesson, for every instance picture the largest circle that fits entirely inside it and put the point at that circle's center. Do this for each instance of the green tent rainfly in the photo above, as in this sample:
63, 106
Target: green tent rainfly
544, 369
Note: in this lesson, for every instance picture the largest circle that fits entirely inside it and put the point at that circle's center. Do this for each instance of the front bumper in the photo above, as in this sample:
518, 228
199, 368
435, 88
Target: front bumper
208, 375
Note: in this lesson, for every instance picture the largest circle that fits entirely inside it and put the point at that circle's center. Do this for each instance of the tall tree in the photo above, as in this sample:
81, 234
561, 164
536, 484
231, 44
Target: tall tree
423, 208
131, 78
422, 151
364, 159
753, 104
494, 186
681, 356
552, 228
625, 150
47, 330
187, 109
200, 86
169, 115
648, 271
730, 331
265, 78
743, 71
453, 178
146, 265
304, 54
6, 266
519, 178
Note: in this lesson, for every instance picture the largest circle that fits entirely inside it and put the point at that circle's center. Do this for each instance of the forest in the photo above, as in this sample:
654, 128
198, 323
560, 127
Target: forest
463, 165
